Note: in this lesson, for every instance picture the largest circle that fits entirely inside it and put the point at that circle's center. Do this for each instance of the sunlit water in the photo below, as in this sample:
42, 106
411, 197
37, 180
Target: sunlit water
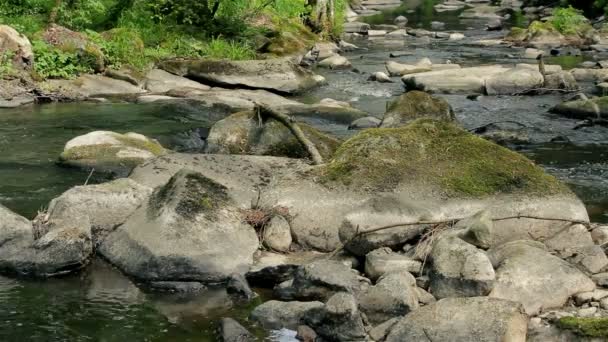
102, 305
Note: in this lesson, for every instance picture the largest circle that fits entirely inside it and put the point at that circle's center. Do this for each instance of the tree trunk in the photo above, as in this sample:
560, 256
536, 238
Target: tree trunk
322, 16
54, 12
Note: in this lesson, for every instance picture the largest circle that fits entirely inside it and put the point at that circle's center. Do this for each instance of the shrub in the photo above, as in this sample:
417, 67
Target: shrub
54, 63
569, 21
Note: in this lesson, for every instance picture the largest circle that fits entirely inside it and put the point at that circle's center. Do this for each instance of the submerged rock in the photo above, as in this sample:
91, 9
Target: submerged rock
242, 133
335, 62
110, 151
462, 320
464, 80
513, 81
276, 315
280, 75
189, 229
594, 108
416, 105
231, 331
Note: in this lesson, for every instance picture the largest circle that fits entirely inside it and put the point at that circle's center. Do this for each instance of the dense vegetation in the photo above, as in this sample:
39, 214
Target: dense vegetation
139, 32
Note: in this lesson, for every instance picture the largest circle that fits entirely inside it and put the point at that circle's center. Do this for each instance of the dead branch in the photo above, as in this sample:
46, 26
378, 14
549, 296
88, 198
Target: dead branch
451, 222
264, 110
591, 123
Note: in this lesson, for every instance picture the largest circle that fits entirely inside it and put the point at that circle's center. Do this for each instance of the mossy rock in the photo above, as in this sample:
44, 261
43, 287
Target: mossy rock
517, 34
596, 327
583, 109
438, 157
416, 105
291, 37
70, 41
110, 151
241, 133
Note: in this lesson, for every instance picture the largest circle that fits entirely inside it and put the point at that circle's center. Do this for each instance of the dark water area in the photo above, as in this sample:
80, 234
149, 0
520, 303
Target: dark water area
100, 304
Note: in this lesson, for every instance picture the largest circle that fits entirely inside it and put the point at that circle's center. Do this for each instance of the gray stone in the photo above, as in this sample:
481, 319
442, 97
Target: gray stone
453, 81
379, 332
400, 21
586, 312
459, 269
270, 268
480, 319
356, 27
16, 46
163, 240
528, 274
383, 260
276, 315
586, 297
160, 81
600, 235
321, 279
338, 320
424, 297
306, 334
365, 123
601, 279
232, 331
380, 77
279, 74
479, 230
591, 259
335, 62
393, 295
513, 81
238, 286
277, 234
87, 86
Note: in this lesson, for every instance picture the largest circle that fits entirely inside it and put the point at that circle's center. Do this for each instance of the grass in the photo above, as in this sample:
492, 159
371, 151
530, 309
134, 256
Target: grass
439, 155
587, 327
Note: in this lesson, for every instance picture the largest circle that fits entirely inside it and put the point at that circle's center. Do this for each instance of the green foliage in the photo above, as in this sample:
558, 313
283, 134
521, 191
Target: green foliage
587, 327
569, 20
219, 48
54, 63
6, 65
120, 46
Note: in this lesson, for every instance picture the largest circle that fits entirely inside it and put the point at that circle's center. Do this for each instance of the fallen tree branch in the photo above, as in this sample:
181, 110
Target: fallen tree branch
591, 123
450, 222
264, 110
533, 91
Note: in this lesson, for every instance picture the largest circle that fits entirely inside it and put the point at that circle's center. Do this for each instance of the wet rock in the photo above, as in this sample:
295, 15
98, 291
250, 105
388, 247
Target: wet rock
562, 80
380, 77
415, 105
346, 46
461, 320
280, 75
321, 279
532, 53
270, 268
326, 49
48, 248
589, 75
383, 261
397, 69
242, 133
364, 123
394, 295
528, 274
538, 35
485, 12
456, 36
277, 234
16, 46
160, 81
155, 98
89, 86
479, 230
400, 21
162, 240
356, 27
106, 205
494, 25
276, 315
231, 331
238, 286
465, 80
338, 320
176, 286
513, 81
306, 334
110, 152
582, 109
376, 33
335, 62
437, 25
459, 269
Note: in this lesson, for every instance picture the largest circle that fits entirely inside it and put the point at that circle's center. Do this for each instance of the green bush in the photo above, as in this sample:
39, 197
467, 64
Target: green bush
219, 48
569, 21
54, 63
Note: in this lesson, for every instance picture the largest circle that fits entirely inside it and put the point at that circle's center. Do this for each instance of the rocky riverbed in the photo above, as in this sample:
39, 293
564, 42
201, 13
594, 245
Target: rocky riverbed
414, 223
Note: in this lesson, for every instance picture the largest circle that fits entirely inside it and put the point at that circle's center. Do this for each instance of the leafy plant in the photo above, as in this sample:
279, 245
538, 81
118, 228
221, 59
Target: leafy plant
6, 64
569, 20
219, 48
54, 63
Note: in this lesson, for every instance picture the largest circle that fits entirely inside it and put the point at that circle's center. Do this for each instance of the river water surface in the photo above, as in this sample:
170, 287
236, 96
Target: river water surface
102, 305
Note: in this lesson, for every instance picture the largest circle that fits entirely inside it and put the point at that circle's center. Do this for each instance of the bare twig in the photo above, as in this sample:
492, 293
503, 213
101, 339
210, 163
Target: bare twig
283, 118
89, 177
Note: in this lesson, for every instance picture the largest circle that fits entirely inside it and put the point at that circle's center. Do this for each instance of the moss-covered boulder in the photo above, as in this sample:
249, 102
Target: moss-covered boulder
189, 230
416, 105
75, 42
109, 151
15, 46
550, 34
242, 133
290, 37
439, 156
594, 108
280, 75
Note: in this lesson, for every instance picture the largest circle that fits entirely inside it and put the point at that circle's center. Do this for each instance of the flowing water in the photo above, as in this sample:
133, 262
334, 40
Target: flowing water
102, 305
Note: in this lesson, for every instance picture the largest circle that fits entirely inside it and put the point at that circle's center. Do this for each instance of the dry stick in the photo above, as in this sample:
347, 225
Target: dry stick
294, 128
89, 177
451, 221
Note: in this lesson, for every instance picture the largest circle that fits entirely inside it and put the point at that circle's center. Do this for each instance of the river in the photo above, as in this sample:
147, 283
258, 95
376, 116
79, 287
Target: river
100, 304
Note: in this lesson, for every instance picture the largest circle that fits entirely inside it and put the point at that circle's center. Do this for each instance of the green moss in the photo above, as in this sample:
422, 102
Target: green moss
418, 104
290, 37
147, 145
435, 155
539, 27
587, 327
517, 34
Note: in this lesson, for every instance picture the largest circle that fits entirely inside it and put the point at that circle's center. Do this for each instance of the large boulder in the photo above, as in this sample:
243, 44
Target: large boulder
48, 248
479, 319
415, 105
75, 42
528, 274
279, 75
189, 230
160, 81
16, 46
513, 81
107, 205
465, 80
593, 108
394, 295
87, 86
383, 260
243, 133
276, 315
110, 151
459, 269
